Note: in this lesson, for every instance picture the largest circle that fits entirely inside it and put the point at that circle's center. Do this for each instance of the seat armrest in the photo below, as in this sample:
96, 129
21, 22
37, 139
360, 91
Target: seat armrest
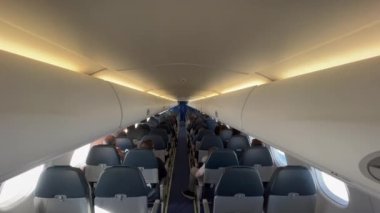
162, 190
206, 208
156, 206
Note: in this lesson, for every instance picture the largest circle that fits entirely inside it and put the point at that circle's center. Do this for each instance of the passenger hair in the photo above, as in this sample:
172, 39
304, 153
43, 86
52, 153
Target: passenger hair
110, 140
146, 144
256, 142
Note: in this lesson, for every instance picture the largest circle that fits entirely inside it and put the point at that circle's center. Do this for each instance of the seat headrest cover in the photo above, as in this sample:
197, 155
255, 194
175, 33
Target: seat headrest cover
238, 142
103, 154
240, 180
139, 132
202, 133
222, 158
62, 180
292, 179
153, 122
125, 143
121, 180
225, 134
256, 156
157, 140
211, 140
141, 158
160, 132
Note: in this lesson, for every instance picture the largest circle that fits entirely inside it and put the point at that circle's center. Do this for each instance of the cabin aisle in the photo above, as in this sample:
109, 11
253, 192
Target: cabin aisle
178, 203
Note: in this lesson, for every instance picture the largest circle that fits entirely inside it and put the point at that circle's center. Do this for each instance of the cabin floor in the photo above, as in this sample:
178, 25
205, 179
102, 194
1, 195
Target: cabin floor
180, 178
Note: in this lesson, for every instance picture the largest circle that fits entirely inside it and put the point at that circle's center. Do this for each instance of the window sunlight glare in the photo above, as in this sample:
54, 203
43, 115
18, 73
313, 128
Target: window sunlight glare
80, 155
336, 186
19, 187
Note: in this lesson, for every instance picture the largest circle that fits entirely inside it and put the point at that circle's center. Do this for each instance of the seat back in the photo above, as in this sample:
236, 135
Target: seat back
234, 193
100, 157
291, 189
162, 133
208, 141
159, 145
62, 189
216, 164
125, 144
225, 135
121, 190
203, 132
153, 122
238, 143
260, 158
145, 161
137, 133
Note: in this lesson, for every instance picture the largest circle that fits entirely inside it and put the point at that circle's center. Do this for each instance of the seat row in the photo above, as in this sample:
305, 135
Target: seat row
240, 189
62, 189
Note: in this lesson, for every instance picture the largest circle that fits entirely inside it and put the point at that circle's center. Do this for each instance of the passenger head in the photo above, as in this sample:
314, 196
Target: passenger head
110, 140
256, 142
235, 132
146, 144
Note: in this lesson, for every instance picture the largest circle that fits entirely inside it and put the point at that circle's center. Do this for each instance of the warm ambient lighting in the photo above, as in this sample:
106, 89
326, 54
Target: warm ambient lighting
333, 62
124, 83
243, 86
11, 45
119, 82
204, 97
19, 49
161, 96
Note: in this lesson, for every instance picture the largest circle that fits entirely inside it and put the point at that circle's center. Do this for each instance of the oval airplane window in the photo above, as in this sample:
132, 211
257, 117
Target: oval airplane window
16, 189
79, 156
279, 157
335, 189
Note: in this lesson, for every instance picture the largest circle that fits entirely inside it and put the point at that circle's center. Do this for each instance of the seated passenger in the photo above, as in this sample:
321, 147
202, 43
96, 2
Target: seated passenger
148, 144
111, 140
197, 173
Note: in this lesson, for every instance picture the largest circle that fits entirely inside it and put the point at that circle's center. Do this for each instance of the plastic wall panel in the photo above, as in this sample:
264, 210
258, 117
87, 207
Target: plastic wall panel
46, 111
329, 118
136, 104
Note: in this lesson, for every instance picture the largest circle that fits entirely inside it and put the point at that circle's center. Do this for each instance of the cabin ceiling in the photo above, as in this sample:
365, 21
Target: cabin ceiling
192, 49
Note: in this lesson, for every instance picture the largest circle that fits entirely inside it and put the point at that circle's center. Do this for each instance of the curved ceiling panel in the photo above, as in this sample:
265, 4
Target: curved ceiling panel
278, 39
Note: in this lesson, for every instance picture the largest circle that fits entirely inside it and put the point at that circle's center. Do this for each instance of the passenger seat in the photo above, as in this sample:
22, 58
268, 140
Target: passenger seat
260, 158
62, 189
291, 190
122, 190
238, 143
100, 157
214, 169
239, 190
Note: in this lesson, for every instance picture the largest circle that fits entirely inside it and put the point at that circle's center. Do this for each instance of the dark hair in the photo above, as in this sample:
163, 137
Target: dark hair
256, 142
147, 144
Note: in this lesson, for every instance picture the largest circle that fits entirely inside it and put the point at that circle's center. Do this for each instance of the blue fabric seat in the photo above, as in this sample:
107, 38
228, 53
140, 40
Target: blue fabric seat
62, 189
208, 141
147, 163
238, 143
234, 193
98, 159
218, 161
125, 144
292, 189
260, 158
122, 190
